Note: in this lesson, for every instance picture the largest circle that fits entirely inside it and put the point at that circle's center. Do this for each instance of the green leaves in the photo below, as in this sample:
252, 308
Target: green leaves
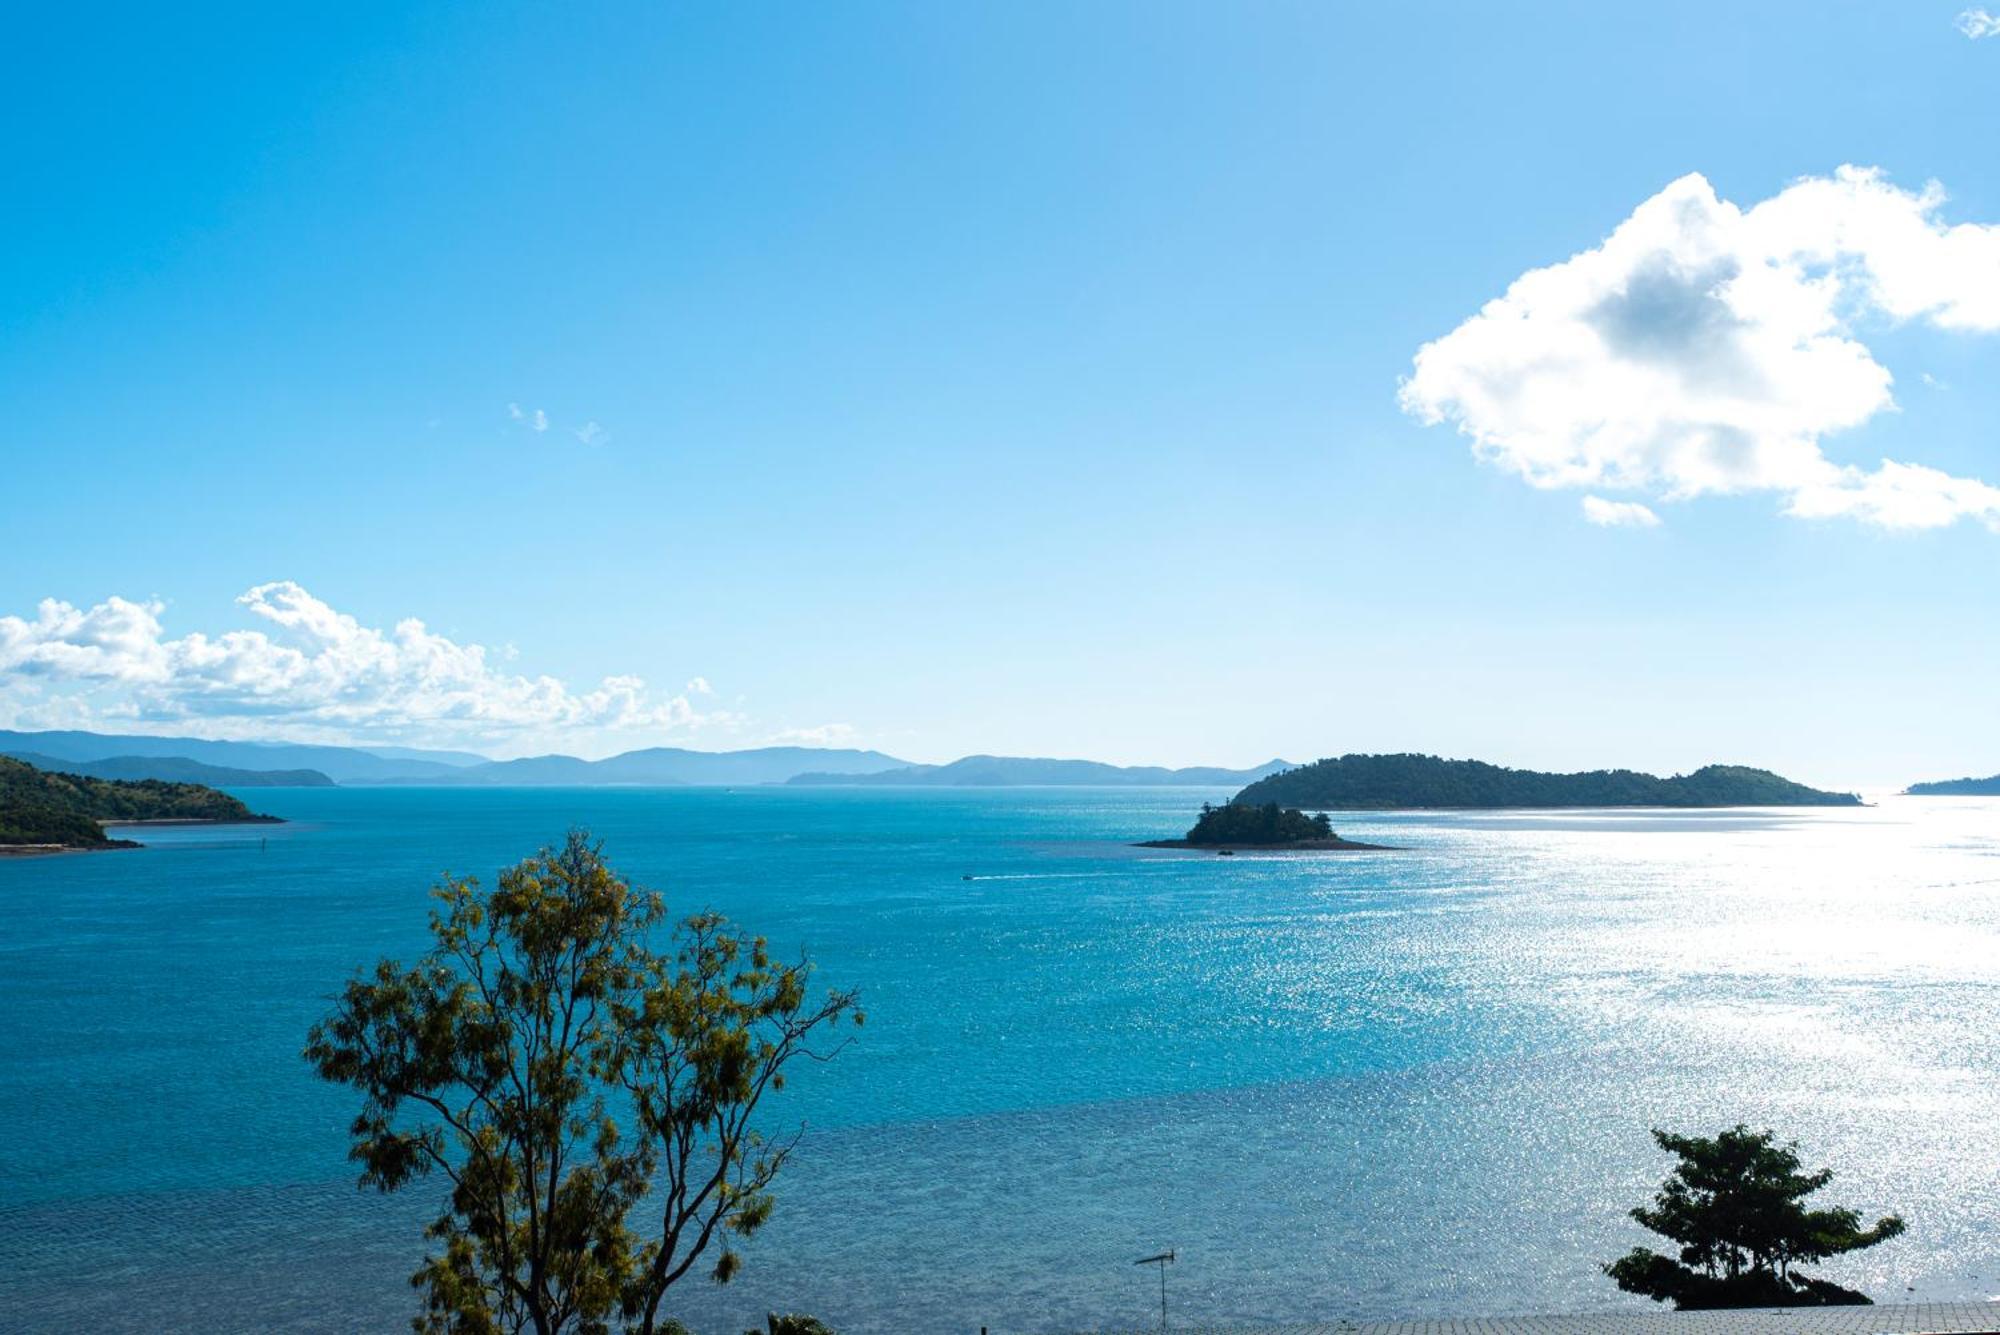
1734, 1203
1257, 825
495, 1062
792, 1325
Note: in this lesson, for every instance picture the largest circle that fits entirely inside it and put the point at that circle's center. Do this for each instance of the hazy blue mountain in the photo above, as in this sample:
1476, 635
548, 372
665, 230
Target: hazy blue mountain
416, 753
670, 766
175, 769
1989, 787
1414, 782
342, 764
1023, 772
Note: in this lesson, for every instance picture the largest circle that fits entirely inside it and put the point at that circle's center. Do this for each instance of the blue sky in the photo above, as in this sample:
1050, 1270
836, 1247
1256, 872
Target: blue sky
1019, 379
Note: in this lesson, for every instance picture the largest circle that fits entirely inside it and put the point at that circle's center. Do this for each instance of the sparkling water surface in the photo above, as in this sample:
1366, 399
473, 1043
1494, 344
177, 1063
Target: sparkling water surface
1386, 1084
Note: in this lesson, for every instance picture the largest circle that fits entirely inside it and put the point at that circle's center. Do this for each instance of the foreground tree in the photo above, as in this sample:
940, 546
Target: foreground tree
1736, 1206
792, 1325
590, 1102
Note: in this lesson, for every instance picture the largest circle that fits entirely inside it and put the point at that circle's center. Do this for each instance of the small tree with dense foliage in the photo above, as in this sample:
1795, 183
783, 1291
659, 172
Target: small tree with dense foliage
590, 1102
776, 1324
1267, 824
1736, 1205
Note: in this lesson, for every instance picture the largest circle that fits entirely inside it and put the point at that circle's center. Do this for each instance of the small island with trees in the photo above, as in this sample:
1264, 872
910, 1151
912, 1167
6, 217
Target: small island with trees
1987, 787
1430, 783
1268, 826
48, 812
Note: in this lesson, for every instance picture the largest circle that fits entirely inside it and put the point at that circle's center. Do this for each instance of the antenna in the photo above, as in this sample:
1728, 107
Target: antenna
1163, 1260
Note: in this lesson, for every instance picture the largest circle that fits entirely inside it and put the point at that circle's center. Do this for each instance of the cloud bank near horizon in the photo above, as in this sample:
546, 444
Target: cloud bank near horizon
1705, 349
315, 674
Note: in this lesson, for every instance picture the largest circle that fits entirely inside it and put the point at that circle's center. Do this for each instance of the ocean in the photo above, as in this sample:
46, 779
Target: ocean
1405, 1083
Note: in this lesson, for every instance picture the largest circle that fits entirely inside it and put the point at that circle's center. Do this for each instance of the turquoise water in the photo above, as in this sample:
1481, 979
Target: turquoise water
1386, 1084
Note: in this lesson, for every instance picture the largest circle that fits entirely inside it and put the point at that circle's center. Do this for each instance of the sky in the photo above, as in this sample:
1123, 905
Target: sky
1565, 385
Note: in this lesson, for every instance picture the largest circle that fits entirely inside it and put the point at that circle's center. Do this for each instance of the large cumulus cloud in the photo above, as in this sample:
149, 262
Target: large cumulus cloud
1704, 348
315, 670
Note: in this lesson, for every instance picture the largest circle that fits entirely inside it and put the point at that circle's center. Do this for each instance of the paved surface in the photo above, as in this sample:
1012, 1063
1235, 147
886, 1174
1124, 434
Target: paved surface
1911, 1319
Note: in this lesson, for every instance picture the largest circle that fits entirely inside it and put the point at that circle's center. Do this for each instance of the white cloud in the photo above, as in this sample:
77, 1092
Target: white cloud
1704, 348
826, 734
590, 433
316, 671
1977, 23
1618, 514
25, 704
115, 641
698, 686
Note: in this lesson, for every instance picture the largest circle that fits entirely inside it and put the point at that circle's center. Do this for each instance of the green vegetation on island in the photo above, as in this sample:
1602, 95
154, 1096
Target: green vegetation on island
1987, 787
1735, 1204
497, 1062
1267, 826
1418, 782
39, 808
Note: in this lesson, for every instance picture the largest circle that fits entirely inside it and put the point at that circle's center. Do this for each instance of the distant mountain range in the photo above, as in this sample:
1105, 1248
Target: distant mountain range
263, 764
1354, 782
341, 764
1018, 771
1414, 782
665, 765
175, 769
262, 761
1989, 787
416, 753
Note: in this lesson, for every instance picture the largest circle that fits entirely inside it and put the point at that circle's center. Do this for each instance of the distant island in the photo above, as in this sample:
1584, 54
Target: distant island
271, 764
1025, 772
175, 769
41, 811
339, 764
667, 766
1988, 787
1267, 826
1353, 782
1417, 782
232, 764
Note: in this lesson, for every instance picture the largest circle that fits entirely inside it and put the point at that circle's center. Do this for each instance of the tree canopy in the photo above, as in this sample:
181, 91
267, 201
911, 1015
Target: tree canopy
1267, 824
1987, 787
1736, 1205
1392, 782
590, 1102
51, 807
